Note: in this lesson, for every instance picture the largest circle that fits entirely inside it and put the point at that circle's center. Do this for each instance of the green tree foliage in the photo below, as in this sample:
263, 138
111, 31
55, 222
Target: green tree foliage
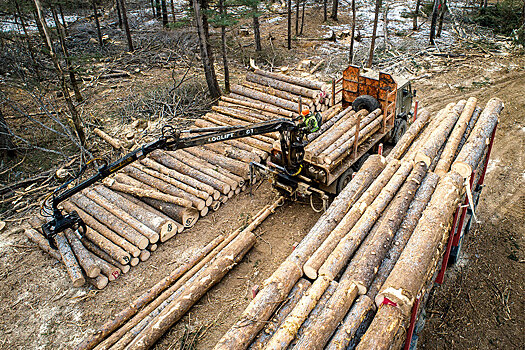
504, 17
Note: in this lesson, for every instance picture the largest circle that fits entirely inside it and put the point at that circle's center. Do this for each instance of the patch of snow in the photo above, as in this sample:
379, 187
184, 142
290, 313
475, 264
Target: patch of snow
493, 163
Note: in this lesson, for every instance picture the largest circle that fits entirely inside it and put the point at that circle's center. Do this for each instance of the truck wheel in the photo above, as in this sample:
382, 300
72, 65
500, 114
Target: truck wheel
357, 165
400, 127
365, 102
343, 180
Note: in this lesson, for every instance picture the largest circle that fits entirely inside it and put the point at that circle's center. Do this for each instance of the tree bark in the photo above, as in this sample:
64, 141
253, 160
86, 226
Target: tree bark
276, 101
471, 153
164, 13
359, 315
325, 10
307, 83
119, 14
69, 260
97, 23
302, 18
238, 168
435, 11
7, 147
104, 237
297, 7
289, 23
410, 135
83, 256
382, 331
406, 229
124, 14
223, 13
416, 15
335, 6
442, 13
256, 29
276, 320
200, 7
374, 32
352, 37
401, 287
258, 106
98, 252
280, 85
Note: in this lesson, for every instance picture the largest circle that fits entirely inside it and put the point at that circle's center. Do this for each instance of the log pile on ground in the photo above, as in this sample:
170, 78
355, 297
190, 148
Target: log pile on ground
147, 318
150, 201
378, 246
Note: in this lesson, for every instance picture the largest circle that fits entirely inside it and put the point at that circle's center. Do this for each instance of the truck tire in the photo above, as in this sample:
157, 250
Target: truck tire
343, 180
365, 102
400, 127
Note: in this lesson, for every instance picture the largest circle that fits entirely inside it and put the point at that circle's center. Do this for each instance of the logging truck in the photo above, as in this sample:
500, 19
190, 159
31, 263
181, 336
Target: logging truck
383, 106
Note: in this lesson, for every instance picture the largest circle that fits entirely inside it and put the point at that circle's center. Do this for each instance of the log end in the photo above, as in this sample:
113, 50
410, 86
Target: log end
310, 271
462, 169
168, 230
134, 261
99, 282
421, 157
92, 271
204, 211
145, 255
397, 296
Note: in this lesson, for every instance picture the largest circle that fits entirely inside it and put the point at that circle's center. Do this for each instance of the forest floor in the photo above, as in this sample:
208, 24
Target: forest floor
480, 304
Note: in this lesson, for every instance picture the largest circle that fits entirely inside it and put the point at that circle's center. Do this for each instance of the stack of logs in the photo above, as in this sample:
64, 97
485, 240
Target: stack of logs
378, 246
148, 317
149, 201
340, 134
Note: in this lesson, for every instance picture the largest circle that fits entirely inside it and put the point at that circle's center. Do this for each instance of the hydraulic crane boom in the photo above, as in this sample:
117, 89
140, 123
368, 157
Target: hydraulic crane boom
292, 145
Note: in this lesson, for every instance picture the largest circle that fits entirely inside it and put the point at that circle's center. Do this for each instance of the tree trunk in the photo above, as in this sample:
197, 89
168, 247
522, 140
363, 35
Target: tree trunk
77, 122
124, 14
352, 37
172, 5
289, 24
471, 153
442, 13
69, 260
264, 109
97, 23
335, 5
83, 256
98, 252
30, 48
64, 24
302, 18
416, 15
256, 29
435, 11
158, 9
374, 32
410, 135
223, 13
119, 14
200, 8
381, 333
325, 10
297, 8
402, 287
264, 79
164, 13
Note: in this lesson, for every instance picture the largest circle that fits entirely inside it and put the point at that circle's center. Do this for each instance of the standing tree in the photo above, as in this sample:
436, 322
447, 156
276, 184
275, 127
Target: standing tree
254, 5
7, 148
97, 23
297, 7
126, 25
119, 15
164, 9
352, 37
416, 14
200, 8
223, 21
335, 5
374, 32
289, 24
442, 13
77, 122
325, 10
435, 11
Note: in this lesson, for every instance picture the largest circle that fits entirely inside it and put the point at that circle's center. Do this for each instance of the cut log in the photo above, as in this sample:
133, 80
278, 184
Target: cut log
224, 262
429, 150
111, 221
317, 334
233, 152
99, 229
276, 84
124, 215
410, 135
110, 140
349, 243
402, 236
331, 112
382, 331
346, 222
99, 282
69, 260
449, 152
369, 257
42, 242
266, 88
93, 248
256, 95
238, 168
402, 287
84, 257
290, 326
139, 173
144, 255
165, 168
308, 83
172, 228
210, 171
328, 124
204, 212
258, 106
295, 294
346, 148
168, 160
348, 333
470, 127
470, 155
240, 115
215, 205
150, 295
184, 215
